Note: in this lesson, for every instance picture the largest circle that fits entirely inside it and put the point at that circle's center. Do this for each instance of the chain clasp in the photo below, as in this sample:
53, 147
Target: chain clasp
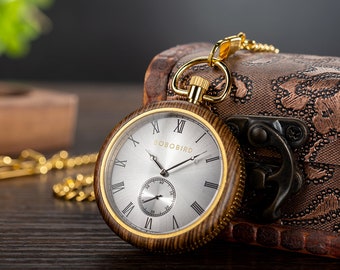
226, 47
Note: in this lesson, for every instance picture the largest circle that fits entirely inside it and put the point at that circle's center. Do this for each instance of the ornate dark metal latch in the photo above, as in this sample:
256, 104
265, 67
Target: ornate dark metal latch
271, 180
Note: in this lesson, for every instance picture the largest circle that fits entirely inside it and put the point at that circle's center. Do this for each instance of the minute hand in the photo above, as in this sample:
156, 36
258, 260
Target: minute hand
165, 172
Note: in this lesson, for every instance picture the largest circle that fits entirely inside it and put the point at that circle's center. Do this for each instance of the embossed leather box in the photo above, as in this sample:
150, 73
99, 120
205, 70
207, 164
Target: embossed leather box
285, 111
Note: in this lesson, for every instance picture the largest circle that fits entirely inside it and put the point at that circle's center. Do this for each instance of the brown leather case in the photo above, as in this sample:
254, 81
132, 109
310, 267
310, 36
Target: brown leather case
275, 86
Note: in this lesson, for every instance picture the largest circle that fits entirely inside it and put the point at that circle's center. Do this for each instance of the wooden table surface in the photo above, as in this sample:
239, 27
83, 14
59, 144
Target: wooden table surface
40, 231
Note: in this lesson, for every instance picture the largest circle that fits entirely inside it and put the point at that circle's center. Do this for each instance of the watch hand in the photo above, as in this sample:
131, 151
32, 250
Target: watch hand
154, 198
165, 172
154, 158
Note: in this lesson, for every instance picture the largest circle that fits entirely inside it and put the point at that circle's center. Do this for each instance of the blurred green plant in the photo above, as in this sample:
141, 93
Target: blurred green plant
21, 22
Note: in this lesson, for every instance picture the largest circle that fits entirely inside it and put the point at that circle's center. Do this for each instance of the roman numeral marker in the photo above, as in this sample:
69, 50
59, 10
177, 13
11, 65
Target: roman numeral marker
133, 141
117, 187
155, 127
148, 223
121, 163
180, 126
212, 159
198, 209
174, 223
211, 185
127, 210
201, 137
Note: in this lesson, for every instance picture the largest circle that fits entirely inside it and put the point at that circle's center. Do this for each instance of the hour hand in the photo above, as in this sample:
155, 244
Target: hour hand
154, 158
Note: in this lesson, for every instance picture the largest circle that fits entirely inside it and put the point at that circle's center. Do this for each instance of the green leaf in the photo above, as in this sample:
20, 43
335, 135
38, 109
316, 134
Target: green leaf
21, 22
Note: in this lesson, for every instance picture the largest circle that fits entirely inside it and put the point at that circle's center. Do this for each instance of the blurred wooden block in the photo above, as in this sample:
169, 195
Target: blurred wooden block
35, 118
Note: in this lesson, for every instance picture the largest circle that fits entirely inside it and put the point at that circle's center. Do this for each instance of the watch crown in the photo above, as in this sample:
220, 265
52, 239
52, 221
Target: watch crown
198, 87
200, 82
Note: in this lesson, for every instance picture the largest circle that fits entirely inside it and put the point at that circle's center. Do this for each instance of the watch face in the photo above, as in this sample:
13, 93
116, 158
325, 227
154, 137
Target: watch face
161, 173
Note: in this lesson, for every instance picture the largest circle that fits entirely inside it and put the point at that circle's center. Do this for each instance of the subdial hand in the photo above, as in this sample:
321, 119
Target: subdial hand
166, 172
153, 198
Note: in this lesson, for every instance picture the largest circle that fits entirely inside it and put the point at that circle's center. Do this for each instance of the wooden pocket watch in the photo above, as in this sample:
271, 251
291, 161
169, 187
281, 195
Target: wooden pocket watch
170, 176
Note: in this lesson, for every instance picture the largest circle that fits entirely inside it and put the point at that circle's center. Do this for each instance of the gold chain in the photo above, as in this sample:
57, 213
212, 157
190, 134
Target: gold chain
80, 188
31, 162
229, 45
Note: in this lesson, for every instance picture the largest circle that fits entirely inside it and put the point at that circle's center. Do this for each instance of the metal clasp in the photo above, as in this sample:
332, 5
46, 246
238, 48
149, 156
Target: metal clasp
225, 48
270, 183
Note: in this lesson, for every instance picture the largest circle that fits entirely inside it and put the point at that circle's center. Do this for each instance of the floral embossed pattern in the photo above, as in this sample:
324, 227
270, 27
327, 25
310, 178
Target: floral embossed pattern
314, 96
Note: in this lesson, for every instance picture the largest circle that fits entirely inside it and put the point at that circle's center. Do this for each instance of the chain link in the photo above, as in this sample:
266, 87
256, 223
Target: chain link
31, 162
252, 45
78, 189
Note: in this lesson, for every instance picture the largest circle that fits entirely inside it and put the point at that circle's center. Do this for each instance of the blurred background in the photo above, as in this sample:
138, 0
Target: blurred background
114, 41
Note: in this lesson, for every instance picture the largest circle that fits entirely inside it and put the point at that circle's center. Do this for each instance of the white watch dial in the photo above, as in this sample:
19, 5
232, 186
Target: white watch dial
163, 172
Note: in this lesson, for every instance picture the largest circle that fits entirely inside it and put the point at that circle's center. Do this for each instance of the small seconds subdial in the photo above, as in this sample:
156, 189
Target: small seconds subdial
157, 197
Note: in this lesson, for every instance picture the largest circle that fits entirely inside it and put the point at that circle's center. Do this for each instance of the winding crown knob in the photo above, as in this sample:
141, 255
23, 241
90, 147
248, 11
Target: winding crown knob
200, 82
198, 87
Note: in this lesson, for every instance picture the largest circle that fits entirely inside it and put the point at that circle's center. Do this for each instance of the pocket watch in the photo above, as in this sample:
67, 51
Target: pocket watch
170, 176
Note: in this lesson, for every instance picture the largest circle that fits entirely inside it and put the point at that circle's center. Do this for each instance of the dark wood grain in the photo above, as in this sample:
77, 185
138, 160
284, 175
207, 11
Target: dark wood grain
40, 231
